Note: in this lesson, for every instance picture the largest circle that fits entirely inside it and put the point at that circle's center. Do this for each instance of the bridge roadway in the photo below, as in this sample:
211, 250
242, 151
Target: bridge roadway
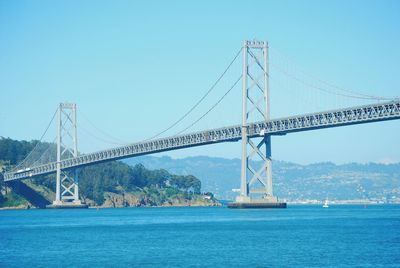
282, 126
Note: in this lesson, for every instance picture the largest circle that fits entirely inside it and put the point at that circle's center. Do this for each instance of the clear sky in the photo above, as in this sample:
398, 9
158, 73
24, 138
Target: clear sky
134, 67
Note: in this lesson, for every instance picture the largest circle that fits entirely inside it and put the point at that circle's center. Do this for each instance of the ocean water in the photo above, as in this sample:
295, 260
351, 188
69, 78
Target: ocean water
299, 236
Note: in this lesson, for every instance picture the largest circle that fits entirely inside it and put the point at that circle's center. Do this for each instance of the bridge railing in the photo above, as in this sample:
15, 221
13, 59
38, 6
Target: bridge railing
281, 126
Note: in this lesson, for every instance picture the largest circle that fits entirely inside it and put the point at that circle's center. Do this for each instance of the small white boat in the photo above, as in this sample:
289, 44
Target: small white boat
326, 205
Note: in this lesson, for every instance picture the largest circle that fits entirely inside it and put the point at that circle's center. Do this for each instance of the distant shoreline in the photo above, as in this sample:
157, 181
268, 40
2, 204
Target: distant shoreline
215, 204
219, 205
342, 203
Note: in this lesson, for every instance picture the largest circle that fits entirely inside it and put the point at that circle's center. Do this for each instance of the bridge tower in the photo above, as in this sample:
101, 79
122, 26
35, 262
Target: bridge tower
256, 175
67, 188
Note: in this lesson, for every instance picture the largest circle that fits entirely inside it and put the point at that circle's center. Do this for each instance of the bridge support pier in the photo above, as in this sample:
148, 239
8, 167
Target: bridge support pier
256, 176
67, 188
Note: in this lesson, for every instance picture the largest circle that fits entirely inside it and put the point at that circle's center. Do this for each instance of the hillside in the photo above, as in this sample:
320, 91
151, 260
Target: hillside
291, 181
111, 184
150, 180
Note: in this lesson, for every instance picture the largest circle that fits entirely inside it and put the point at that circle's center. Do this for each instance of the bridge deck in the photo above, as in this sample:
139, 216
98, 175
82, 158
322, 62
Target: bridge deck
281, 126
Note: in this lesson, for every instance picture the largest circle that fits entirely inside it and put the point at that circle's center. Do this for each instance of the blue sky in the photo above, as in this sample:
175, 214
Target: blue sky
133, 67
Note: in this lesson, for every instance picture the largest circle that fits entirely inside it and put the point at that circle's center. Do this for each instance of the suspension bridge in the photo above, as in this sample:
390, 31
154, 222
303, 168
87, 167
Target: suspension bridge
255, 131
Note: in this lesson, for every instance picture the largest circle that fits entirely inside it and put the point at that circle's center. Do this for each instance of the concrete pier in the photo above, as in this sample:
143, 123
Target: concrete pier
63, 205
266, 202
257, 205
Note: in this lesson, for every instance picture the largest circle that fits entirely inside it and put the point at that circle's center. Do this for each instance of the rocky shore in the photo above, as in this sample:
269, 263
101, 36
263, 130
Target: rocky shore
121, 199
114, 200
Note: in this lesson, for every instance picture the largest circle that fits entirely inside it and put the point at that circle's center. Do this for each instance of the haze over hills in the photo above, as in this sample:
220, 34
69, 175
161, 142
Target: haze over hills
373, 181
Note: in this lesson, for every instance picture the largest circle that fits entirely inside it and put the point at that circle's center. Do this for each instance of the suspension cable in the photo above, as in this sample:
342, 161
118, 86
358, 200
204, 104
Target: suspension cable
48, 148
37, 144
212, 107
352, 94
201, 99
100, 130
87, 132
302, 81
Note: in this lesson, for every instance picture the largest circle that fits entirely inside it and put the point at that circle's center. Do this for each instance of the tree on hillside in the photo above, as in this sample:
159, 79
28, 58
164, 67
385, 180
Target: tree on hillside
114, 176
186, 183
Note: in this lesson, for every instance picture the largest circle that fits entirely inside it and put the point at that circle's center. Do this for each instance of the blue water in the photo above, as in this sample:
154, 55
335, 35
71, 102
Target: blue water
299, 236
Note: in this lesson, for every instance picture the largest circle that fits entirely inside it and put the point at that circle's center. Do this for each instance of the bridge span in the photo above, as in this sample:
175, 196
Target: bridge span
255, 132
326, 119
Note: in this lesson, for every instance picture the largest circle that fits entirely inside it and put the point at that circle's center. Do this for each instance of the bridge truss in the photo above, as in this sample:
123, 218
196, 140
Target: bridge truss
327, 119
255, 132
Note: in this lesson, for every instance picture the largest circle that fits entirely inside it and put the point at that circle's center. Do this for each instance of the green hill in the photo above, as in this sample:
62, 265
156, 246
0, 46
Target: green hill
111, 184
293, 182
